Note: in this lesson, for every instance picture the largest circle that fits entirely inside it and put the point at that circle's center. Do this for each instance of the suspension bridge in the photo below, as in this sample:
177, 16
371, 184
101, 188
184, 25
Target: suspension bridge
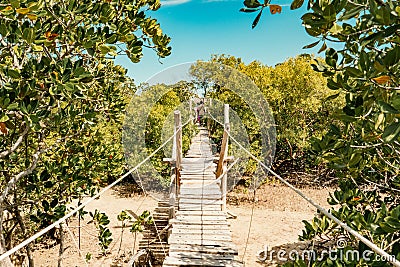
195, 214
190, 228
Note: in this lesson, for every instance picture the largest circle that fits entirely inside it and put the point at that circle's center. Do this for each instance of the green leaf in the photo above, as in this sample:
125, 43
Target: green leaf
382, 15
256, 20
28, 35
4, 118
252, 3
385, 227
3, 30
14, 73
23, 11
391, 132
323, 48
331, 97
379, 120
392, 56
364, 61
15, 3
379, 67
333, 85
311, 45
336, 28
391, 30
104, 49
330, 13
393, 222
386, 108
54, 202
350, 13
12, 106
112, 39
355, 159
296, 4
354, 72
45, 205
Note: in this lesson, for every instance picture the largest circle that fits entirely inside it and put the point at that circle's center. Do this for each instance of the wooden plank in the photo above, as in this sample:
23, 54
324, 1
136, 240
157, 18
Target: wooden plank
173, 262
204, 249
199, 201
203, 213
201, 226
213, 190
200, 231
190, 218
207, 197
197, 207
200, 255
199, 242
195, 222
203, 237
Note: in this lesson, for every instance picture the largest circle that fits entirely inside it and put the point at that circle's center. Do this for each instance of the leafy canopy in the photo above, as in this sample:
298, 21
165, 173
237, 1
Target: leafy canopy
57, 81
365, 145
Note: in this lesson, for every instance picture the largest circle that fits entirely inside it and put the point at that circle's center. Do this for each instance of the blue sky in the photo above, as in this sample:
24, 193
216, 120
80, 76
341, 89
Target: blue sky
201, 28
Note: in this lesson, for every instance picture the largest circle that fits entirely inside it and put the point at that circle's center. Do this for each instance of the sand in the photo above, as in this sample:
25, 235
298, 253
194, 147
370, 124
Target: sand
277, 220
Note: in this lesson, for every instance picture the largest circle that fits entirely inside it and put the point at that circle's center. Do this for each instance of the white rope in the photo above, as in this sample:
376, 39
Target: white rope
155, 225
75, 243
48, 228
371, 245
390, 258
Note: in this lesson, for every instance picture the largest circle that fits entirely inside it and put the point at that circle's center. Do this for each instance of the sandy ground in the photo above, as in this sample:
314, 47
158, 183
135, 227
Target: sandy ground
277, 220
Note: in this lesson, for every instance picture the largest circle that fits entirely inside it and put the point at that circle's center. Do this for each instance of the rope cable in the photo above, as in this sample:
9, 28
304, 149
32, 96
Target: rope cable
390, 258
250, 224
155, 225
101, 192
75, 243
371, 245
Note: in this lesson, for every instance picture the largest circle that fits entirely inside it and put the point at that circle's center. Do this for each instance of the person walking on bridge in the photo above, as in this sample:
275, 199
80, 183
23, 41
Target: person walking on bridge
200, 111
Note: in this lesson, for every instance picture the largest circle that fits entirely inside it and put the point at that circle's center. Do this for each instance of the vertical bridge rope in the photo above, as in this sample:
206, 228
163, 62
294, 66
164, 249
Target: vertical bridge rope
390, 258
101, 192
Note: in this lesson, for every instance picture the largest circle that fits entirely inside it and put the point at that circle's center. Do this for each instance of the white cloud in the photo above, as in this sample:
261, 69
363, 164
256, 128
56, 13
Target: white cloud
173, 2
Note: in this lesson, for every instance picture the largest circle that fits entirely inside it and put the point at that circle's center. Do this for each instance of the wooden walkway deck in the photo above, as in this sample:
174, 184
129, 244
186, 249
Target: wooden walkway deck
200, 231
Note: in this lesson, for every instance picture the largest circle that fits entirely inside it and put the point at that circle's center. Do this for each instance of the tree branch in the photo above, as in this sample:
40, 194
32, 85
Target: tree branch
385, 87
16, 144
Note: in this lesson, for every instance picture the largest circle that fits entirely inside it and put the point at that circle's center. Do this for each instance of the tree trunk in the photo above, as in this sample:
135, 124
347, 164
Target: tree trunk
6, 262
61, 251
23, 228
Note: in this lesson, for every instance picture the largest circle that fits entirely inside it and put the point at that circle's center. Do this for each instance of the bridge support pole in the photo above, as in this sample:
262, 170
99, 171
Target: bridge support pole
178, 151
221, 167
175, 163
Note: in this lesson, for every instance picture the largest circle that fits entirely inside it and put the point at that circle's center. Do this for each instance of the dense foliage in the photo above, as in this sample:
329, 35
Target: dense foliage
364, 146
297, 97
159, 124
59, 90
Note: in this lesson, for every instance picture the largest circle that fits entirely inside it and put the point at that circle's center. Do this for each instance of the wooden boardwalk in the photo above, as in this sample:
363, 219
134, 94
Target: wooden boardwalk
200, 231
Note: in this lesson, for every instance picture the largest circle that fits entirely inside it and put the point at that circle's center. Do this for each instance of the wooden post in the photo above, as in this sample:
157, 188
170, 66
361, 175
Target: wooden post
175, 162
190, 109
178, 149
172, 196
221, 167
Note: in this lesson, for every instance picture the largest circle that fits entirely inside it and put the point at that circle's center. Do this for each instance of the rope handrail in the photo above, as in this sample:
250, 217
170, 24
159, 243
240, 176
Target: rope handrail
74, 211
391, 259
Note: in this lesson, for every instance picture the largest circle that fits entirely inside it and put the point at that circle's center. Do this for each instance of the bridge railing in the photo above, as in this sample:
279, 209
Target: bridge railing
175, 163
223, 157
